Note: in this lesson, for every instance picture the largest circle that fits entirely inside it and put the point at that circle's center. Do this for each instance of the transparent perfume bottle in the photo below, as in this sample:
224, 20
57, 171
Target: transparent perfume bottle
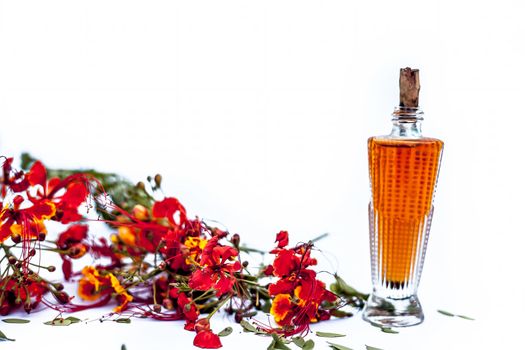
404, 168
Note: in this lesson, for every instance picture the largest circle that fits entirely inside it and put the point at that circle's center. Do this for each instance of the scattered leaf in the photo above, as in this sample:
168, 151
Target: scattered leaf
309, 345
3, 337
247, 326
15, 320
341, 313
368, 347
59, 322
123, 320
446, 313
225, 332
278, 343
389, 330
299, 341
338, 346
340, 287
466, 317
329, 335
73, 319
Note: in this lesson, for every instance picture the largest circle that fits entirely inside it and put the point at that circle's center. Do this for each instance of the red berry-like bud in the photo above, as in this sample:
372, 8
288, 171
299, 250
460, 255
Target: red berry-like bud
12, 260
61, 297
32, 252
236, 239
59, 286
162, 265
28, 307
157, 308
51, 268
41, 236
16, 238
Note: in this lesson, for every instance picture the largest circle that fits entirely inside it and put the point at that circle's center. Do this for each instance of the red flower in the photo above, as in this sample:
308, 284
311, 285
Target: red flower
282, 238
71, 240
28, 222
207, 340
12, 180
167, 208
15, 293
285, 263
217, 272
298, 295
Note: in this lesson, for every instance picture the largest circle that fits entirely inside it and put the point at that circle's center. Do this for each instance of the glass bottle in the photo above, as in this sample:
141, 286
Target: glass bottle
404, 169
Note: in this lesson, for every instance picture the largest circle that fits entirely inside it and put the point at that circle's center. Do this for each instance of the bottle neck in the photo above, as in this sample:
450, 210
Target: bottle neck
406, 122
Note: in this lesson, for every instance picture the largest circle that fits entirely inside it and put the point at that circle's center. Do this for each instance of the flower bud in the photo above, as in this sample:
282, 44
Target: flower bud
32, 252
12, 260
245, 264
140, 212
42, 236
141, 186
59, 286
28, 307
236, 239
16, 238
158, 180
51, 268
157, 308
162, 265
61, 297
77, 250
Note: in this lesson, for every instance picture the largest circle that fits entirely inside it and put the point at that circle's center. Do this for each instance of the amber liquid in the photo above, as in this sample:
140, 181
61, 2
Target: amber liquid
403, 175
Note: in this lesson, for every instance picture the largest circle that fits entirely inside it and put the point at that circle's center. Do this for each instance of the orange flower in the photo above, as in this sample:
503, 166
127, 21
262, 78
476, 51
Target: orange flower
122, 295
281, 307
92, 286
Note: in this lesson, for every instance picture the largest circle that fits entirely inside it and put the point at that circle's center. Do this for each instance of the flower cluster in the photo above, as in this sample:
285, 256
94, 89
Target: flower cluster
28, 200
298, 296
157, 263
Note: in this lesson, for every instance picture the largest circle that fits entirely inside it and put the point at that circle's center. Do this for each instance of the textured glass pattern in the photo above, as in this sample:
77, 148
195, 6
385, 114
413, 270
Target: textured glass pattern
403, 176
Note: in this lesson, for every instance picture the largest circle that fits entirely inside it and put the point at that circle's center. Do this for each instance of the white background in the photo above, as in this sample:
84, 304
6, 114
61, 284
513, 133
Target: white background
257, 115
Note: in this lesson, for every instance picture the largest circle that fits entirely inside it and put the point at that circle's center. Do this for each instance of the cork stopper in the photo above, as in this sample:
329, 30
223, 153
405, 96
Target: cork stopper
409, 87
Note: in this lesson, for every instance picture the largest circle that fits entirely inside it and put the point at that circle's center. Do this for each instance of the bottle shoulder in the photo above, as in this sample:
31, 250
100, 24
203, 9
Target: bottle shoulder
402, 141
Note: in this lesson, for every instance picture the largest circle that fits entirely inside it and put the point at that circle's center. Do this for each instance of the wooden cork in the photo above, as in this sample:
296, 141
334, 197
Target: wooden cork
409, 87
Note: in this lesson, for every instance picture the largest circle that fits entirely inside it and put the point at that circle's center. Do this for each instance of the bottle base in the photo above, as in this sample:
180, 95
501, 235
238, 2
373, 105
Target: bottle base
388, 312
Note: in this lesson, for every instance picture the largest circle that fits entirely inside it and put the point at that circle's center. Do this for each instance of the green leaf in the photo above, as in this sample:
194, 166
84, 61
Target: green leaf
341, 313
466, 317
73, 319
446, 313
299, 341
341, 287
338, 346
225, 332
58, 322
329, 335
3, 337
309, 345
123, 320
15, 320
123, 347
389, 330
278, 343
368, 347
247, 326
